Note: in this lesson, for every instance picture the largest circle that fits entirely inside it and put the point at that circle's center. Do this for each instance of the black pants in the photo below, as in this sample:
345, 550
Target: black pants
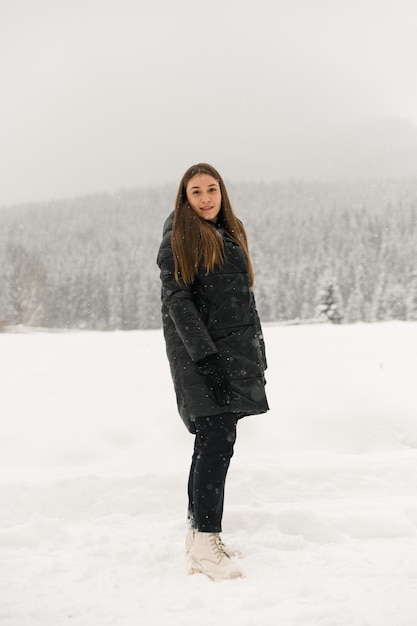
213, 449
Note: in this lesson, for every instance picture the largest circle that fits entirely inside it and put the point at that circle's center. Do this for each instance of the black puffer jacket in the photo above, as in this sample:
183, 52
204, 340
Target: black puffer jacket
214, 315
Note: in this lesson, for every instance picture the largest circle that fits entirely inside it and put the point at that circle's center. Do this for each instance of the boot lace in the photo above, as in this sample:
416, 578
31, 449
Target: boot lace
222, 545
218, 545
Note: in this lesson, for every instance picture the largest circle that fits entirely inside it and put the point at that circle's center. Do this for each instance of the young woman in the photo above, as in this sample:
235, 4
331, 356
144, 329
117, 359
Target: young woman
215, 348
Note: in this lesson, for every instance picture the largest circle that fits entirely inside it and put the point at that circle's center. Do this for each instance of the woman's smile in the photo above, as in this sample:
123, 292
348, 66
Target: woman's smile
204, 196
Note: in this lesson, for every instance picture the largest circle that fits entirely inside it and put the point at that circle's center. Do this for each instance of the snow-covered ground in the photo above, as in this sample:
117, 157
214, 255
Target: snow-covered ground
321, 493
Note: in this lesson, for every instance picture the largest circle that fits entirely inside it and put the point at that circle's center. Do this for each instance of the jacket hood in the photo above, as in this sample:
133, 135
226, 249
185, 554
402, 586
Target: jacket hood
168, 224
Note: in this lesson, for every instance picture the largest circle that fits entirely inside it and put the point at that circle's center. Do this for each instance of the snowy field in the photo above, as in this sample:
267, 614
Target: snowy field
321, 495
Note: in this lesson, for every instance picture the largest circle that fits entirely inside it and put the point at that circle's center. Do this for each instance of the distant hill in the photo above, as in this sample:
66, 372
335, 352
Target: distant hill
378, 149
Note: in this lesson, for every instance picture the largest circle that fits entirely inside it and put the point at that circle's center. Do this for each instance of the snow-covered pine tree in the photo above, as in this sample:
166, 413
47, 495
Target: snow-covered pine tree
411, 296
330, 302
28, 281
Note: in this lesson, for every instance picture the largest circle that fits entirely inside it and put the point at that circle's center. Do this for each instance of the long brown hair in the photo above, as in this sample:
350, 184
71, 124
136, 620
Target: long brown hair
194, 240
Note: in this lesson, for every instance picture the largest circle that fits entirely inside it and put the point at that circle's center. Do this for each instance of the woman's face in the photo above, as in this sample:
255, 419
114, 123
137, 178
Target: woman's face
204, 195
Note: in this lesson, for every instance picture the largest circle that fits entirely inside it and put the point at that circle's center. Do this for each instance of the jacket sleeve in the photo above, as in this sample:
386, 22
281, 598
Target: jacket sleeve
180, 303
259, 333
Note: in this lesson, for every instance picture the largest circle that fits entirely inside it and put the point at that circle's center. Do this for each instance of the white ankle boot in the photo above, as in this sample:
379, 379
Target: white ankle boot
207, 556
231, 552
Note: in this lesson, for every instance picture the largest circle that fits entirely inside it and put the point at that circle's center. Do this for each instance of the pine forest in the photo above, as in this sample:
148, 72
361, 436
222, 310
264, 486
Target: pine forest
339, 252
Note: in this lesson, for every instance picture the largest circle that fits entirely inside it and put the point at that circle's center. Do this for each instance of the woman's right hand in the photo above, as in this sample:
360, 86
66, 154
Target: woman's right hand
216, 379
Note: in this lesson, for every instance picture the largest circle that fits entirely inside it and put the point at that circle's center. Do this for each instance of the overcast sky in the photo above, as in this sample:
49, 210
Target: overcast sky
98, 95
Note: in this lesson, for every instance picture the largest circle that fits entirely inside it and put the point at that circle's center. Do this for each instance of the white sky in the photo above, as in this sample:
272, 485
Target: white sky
98, 95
